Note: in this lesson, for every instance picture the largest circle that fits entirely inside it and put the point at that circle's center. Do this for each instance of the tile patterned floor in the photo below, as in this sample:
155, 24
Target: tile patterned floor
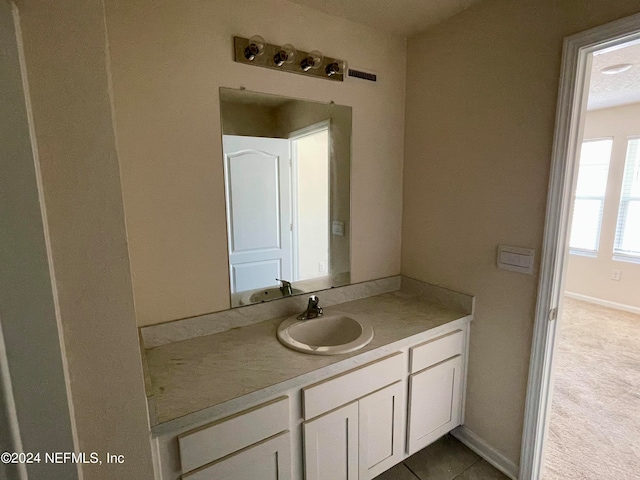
446, 459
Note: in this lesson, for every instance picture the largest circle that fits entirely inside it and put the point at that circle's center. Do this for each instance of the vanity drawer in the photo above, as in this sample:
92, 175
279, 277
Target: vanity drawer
337, 391
436, 350
267, 460
223, 437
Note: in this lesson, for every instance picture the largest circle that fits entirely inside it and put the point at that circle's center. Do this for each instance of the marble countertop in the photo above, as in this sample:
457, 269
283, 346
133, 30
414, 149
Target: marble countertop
196, 374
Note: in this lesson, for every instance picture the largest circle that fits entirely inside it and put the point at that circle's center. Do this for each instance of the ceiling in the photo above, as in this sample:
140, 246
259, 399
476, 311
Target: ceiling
410, 17
607, 91
403, 17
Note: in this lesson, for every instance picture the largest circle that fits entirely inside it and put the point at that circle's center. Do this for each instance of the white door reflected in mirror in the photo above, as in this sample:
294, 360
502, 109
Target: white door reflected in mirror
257, 179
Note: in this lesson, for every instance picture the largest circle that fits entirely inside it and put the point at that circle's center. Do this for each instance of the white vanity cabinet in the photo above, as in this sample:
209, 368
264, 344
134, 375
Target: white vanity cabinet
360, 439
350, 426
435, 389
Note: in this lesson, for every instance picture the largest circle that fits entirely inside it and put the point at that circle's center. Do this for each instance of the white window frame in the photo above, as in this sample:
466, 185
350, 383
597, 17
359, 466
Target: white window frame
618, 253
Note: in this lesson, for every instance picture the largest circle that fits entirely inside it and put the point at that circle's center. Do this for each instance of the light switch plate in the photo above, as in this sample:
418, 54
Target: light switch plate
337, 228
516, 259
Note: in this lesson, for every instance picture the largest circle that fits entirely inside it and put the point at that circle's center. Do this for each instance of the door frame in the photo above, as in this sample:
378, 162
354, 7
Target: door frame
36, 401
572, 98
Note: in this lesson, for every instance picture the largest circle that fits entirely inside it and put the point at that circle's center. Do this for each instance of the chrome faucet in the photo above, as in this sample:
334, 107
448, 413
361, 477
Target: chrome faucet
285, 288
312, 311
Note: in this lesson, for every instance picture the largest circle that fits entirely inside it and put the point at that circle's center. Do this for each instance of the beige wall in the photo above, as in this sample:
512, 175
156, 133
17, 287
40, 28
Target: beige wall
66, 60
592, 276
249, 120
168, 60
481, 99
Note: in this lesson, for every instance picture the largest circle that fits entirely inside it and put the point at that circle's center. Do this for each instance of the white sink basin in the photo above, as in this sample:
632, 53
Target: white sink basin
325, 335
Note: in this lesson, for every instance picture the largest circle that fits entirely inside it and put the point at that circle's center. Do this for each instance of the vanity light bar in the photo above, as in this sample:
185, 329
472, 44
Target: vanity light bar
267, 55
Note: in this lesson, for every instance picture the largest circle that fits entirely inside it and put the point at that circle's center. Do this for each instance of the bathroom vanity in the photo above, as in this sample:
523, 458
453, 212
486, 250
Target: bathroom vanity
240, 405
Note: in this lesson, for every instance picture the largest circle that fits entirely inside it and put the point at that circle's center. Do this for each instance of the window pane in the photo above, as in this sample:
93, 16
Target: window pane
585, 227
593, 169
628, 228
630, 231
591, 188
632, 170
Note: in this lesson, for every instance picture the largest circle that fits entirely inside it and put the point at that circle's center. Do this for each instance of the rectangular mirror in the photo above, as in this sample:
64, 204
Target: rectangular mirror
287, 181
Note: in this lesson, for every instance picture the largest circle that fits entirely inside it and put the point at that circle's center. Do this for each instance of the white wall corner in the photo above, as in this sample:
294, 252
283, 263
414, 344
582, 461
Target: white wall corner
604, 303
486, 451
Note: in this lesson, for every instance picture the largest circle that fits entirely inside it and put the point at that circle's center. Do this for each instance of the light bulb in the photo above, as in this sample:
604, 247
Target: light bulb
312, 60
286, 54
255, 48
336, 68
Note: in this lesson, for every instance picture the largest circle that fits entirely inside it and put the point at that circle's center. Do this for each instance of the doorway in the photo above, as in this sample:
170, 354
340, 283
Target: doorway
593, 423
585, 212
310, 201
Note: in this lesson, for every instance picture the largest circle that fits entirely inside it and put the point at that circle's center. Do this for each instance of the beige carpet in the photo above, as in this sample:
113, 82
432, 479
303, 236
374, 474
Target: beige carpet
595, 414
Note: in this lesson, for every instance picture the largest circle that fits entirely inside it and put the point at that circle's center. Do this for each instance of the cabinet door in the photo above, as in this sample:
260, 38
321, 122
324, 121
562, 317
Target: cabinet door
434, 402
331, 445
267, 460
381, 433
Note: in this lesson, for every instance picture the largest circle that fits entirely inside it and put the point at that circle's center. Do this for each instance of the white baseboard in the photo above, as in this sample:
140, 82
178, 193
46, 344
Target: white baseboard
604, 303
486, 451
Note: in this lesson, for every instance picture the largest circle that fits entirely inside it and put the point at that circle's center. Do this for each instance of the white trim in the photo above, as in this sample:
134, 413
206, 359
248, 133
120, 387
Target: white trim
618, 257
310, 130
583, 253
6, 389
293, 206
570, 111
486, 451
45, 227
604, 303
6, 384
